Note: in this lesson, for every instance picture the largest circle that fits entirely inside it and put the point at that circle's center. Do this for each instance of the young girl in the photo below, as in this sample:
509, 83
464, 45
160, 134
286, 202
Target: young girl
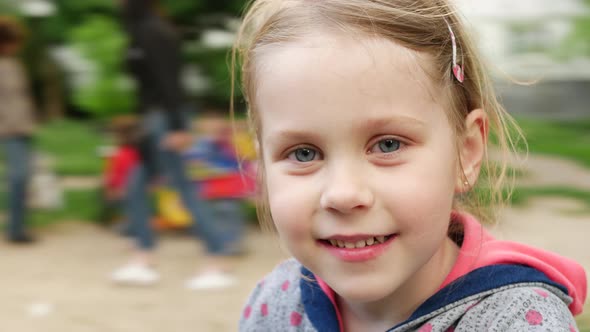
372, 119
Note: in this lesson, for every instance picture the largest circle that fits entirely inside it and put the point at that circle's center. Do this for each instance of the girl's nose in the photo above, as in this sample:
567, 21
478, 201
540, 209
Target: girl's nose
346, 192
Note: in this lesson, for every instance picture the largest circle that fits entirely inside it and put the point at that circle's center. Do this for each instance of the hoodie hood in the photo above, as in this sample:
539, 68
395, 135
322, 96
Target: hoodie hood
480, 249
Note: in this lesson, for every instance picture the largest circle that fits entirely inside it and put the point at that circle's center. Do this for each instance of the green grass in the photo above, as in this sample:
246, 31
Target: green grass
521, 195
73, 145
563, 139
78, 205
567, 139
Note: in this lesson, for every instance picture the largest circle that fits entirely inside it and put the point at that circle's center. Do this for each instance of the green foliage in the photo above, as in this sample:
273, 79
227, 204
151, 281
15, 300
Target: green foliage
182, 11
187, 11
213, 62
93, 28
214, 65
7, 8
78, 205
100, 41
568, 139
74, 146
578, 41
74, 8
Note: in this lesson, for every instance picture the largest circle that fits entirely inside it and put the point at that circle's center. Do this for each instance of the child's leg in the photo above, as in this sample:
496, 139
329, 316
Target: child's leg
18, 157
139, 270
230, 225
138, 209
219, 260
138, 205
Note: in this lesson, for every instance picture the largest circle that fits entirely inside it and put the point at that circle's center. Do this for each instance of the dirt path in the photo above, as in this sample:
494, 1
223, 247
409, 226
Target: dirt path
60, 284
547, 171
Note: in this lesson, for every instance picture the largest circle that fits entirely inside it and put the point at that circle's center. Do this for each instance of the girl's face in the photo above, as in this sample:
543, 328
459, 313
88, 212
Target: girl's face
358, 153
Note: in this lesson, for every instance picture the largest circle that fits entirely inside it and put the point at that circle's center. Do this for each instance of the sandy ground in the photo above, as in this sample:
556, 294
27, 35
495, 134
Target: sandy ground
60, 283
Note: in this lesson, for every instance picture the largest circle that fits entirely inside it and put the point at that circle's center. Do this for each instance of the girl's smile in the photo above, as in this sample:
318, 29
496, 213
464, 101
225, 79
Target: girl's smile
357, 248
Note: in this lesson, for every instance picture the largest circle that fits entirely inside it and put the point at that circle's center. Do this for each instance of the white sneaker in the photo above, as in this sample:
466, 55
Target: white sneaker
210, 281
135, 274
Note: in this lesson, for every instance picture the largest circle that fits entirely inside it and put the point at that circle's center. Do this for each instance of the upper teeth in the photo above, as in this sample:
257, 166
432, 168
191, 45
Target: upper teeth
359, 243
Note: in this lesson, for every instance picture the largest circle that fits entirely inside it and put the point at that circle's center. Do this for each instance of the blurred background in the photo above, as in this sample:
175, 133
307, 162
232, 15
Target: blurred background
79, 85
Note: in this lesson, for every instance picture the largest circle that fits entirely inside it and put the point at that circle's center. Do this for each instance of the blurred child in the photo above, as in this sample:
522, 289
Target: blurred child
16, 126
214, 164
123, 159
119, 163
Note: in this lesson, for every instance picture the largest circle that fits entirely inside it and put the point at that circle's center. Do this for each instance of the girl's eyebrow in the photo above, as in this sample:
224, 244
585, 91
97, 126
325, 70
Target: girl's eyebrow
289, 135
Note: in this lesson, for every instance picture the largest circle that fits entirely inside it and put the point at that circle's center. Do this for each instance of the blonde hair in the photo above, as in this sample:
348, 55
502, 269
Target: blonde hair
419, 25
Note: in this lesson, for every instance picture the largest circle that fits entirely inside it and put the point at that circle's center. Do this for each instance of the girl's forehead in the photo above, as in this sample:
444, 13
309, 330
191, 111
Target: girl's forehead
335, 71
372, 60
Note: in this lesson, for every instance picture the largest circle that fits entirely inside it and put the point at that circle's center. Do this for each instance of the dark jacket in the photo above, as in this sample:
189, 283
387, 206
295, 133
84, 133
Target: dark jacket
154, 60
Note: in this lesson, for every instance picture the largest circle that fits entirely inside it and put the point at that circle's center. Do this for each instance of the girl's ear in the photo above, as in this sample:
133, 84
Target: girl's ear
472, 147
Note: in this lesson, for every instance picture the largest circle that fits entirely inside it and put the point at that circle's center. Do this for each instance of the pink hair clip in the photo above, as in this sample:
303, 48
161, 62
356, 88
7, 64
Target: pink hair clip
457, 69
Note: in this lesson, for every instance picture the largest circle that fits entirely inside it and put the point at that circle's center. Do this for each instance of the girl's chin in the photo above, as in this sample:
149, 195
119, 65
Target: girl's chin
366, 292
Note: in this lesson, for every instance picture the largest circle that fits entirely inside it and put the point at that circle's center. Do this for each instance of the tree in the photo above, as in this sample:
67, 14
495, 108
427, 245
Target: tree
107, 89
92, 30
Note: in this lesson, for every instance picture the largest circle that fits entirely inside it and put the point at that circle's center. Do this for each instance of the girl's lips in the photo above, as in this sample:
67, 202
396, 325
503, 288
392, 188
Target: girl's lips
353, 238
352, 250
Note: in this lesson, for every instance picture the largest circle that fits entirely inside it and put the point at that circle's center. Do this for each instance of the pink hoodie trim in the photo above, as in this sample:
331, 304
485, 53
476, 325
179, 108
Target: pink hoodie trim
332, 296
480, 249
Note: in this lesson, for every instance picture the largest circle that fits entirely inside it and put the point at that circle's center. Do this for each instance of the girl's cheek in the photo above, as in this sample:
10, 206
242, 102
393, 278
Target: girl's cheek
290, 211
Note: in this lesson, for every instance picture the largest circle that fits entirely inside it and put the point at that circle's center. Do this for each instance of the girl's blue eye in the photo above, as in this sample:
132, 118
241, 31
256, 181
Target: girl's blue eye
304, 154
387, 145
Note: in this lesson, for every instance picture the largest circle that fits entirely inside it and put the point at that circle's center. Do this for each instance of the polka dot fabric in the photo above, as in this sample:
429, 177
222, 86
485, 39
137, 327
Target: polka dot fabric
277, 305
519, 309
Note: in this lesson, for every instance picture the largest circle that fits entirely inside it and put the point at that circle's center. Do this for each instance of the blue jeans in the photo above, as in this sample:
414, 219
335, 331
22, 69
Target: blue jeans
170, 165
17, 154
229, 221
